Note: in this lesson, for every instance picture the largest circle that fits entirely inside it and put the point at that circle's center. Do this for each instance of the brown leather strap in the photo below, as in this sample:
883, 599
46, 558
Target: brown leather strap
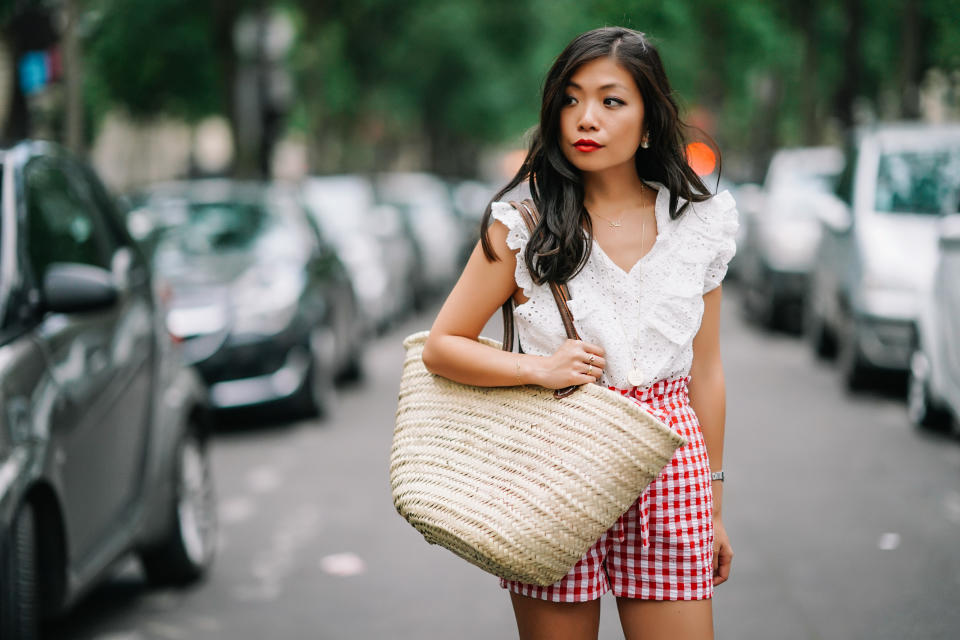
561, 294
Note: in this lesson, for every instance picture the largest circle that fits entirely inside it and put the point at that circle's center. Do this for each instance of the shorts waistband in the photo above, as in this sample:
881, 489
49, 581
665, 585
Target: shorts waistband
661, 390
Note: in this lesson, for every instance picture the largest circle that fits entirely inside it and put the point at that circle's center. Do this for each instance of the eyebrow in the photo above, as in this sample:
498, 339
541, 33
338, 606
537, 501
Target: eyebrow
609, 85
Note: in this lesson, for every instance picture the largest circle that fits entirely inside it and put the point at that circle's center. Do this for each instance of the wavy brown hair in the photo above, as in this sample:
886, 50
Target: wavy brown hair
558, 249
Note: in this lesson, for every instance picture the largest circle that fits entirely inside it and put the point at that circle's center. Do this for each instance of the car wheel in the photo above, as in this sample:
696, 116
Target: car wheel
816, 332
188, 548
316, 397
854, 372
764, 309
921, 408
353, 369
19, 597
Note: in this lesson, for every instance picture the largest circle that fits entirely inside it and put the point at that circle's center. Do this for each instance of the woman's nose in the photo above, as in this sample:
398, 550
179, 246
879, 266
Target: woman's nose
588, 119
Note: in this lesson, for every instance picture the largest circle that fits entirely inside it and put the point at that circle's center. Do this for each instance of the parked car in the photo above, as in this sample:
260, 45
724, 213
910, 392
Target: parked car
877, 254
425, 202
262, 302
781, 235
933, 395
103, 442
371, 242
470, 199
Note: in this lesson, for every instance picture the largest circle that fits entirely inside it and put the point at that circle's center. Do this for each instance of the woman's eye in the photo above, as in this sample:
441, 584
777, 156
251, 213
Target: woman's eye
615, 101
567, 100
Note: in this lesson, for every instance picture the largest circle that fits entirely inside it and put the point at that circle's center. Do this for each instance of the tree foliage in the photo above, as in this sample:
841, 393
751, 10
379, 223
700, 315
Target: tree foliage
154, 57
377, 78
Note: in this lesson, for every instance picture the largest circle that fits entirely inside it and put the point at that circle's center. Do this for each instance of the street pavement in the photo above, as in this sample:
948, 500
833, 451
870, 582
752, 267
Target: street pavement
845, 522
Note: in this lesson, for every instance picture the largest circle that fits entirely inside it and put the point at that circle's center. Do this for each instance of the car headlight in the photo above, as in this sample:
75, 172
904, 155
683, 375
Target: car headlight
791, 244
885, 299
188, 322
266, 298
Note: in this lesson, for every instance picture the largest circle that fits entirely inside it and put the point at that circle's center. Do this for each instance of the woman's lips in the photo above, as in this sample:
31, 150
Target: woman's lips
586, 146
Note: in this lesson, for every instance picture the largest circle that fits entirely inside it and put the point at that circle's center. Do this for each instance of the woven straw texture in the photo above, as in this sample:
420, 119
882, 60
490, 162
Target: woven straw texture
512, 479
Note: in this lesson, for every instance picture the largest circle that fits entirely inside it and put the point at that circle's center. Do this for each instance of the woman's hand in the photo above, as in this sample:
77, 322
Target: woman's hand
722, 552
576, 362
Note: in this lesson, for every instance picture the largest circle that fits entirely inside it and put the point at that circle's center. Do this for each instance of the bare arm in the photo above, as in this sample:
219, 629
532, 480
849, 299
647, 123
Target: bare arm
707, 386
453, 351
708, 399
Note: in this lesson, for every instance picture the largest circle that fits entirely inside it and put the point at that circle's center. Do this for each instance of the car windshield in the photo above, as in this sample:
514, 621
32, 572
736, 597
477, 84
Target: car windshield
1, 235
216, 227
925, 182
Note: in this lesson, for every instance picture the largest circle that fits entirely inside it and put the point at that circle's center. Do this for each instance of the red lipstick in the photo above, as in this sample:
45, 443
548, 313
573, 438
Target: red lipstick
586, 145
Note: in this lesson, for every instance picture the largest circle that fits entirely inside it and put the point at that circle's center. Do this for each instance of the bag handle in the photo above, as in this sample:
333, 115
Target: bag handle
560, 295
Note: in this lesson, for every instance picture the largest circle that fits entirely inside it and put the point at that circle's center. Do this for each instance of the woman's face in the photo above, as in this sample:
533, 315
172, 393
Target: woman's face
602, 104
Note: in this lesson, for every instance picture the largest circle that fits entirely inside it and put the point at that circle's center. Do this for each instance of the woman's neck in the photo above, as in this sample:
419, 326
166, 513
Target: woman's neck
615, 187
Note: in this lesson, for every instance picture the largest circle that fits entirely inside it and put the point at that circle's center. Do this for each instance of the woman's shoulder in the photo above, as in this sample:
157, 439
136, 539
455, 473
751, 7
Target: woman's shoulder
707, 228
717, 216
517, 231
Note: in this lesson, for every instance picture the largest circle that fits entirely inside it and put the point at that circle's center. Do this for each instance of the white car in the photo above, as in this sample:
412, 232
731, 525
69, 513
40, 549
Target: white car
877, 254
933, 396
781, 236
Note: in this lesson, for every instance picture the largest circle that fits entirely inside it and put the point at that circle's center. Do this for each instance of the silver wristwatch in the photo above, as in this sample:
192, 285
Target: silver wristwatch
717, 475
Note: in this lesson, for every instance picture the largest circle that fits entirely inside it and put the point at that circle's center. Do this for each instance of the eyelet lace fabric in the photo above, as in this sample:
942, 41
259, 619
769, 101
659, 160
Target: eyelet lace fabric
644, 319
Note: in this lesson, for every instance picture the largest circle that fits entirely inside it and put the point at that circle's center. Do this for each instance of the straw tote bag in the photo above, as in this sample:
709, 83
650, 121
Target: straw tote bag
519, 481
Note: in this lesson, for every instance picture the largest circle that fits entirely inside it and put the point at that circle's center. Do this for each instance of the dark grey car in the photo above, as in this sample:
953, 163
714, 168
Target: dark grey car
102, 444
261, 300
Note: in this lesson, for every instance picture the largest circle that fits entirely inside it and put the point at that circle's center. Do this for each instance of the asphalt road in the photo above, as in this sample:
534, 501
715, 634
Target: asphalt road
845, 522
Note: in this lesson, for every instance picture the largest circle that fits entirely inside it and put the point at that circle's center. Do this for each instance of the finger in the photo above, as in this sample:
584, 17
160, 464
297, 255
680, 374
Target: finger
596, 361
588, 373
723, 573
726, 561
595, 349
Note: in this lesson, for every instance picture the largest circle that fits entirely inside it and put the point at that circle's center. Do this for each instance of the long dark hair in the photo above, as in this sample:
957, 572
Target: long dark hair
558, 249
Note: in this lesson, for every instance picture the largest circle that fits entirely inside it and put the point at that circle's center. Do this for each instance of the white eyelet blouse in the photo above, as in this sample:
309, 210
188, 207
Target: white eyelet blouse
644, 319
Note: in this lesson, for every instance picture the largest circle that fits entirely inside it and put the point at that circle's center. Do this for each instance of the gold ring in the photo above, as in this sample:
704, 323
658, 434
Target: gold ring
590, 370
590, 361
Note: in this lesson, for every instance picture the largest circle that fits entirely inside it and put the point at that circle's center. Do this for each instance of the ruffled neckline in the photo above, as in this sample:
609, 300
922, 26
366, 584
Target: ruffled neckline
663, 219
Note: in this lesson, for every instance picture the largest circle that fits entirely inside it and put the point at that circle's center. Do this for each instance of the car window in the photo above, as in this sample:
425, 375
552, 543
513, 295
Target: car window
62, 225
844, 183
93, 189
211, 227
1, 217
923, 182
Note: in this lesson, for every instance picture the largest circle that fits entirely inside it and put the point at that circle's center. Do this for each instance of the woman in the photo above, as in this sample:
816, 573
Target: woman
642, 246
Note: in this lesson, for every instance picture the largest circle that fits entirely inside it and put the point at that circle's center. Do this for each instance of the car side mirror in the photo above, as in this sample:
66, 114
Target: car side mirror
69, 287
750, 199
949, 230
833, 212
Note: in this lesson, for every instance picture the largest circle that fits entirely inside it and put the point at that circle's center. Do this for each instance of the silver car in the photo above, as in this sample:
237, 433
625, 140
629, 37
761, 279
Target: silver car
782, 234
103, 440
425, 201
878, 252
933, 396
370, 240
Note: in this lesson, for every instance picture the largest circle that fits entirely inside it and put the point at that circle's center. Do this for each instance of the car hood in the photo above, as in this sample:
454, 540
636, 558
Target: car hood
204, 271
899, 250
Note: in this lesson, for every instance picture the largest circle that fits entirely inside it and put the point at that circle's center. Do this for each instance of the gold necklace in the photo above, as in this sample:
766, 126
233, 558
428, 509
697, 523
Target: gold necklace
616, 224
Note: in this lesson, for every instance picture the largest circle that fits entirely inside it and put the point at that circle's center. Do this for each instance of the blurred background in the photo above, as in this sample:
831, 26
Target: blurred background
219, 219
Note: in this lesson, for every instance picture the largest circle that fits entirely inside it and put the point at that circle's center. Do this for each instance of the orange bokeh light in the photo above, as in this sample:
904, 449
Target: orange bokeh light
701, 158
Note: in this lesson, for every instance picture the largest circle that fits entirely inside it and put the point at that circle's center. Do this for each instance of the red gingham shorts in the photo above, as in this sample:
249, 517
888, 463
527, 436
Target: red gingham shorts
662, 547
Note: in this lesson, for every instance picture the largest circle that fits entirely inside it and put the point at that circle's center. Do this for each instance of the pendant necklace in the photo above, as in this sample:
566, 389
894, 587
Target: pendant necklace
616, 224
623, 329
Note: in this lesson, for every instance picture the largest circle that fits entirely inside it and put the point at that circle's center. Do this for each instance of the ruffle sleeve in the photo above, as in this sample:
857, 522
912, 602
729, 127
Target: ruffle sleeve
517, 237
724, 222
